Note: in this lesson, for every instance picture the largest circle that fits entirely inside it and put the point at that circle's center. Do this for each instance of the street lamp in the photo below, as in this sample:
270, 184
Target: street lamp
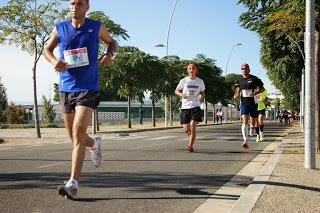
167, 49
230, 56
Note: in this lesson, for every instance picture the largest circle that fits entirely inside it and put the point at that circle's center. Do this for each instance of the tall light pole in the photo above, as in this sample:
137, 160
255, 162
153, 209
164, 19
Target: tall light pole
309, 147
230, 56
167, 53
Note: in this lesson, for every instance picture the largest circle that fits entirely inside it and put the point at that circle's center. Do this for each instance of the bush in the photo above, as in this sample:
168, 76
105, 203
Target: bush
15, 114
48, 112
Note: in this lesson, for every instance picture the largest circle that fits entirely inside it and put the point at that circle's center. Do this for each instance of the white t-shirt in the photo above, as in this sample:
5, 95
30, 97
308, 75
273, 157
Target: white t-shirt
192, 89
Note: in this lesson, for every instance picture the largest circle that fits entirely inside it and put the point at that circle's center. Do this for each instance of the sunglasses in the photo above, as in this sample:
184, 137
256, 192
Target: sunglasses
243, 68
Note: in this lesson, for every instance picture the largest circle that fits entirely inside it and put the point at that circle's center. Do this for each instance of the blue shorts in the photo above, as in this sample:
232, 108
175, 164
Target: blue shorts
251, 110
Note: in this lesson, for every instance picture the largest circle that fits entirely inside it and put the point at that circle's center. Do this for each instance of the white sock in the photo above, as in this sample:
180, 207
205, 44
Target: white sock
69, 183
244, 130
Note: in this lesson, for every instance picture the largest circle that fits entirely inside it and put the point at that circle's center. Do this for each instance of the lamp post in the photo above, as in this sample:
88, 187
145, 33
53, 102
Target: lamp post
230, 56
167, 50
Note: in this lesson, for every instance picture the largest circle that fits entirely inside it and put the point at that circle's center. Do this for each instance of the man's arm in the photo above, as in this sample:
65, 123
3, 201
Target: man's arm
201, 96
237, 93
259, 90
179, 93
112, 45
48, 53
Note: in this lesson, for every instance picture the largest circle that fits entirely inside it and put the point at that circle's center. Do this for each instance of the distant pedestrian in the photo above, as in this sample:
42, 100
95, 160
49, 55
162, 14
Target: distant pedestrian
220, 116
191, 90
78, 41
216, 114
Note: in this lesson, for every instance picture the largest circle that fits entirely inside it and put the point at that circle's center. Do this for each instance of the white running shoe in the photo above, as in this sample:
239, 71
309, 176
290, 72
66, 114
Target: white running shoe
258, 138
70, 191
95, 150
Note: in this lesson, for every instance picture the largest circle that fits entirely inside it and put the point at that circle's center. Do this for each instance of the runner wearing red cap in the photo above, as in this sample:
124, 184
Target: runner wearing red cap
247, 87
191, 90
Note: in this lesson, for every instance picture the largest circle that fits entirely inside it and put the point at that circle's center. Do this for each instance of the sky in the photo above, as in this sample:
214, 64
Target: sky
208, 27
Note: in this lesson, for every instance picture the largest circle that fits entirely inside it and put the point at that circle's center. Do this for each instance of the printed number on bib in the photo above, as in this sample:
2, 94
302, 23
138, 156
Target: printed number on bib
247, 93
76, 57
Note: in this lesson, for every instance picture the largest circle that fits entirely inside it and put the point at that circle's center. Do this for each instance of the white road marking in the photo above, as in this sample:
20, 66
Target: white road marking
129, 138
45, 166
5, 149
163, 137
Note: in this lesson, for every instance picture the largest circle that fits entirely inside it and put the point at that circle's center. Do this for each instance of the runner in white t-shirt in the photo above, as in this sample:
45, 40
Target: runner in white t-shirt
191, 90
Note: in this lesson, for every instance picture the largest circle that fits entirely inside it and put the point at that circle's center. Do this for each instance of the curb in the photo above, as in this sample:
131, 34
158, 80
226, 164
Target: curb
251, 195
234, 195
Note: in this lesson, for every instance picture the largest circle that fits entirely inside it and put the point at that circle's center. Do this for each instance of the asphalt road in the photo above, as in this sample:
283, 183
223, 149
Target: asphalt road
143, 172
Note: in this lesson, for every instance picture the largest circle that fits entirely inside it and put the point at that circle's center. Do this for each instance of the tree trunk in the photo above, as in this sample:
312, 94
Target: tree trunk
317, 88
205, 112
129, 112
35, 101
93, 122
214, 113
97, 119
153, 113
170, 109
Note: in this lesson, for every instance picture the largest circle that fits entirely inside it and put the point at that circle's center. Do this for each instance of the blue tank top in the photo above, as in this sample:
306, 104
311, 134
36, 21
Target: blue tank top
79, 47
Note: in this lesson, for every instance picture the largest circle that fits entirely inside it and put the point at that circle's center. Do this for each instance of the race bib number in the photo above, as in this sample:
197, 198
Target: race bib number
76, 57
192, 94
247, 93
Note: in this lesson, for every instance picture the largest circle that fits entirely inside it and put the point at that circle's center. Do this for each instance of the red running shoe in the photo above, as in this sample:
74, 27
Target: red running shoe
245, 145
190, 149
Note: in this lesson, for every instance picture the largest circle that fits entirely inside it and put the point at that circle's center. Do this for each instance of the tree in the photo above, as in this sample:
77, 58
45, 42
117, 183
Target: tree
230, 81
48, 112
27, 24
280, 25
56, 96
3, 101
15, 114
128, 74
116, 32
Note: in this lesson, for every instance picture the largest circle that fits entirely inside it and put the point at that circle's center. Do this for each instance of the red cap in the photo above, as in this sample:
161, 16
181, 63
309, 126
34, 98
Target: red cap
245, 66
193, 66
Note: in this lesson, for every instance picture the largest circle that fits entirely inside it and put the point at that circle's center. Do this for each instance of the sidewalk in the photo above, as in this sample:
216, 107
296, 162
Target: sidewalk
284, 185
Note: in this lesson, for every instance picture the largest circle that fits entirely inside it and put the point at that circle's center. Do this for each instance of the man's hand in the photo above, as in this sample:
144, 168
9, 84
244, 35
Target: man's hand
60, 65
184, 96
106, 59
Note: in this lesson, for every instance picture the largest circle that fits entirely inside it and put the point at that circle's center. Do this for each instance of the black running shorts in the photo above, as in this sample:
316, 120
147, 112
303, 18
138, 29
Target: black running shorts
194, 114
69, 100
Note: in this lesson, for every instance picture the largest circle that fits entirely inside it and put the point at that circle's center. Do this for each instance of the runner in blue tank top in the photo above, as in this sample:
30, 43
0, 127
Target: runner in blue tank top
78, 41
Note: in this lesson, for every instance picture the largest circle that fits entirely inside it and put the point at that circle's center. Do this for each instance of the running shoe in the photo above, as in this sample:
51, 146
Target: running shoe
95, 150
261, 137
190, 149
69, 192
258, 138
245, 145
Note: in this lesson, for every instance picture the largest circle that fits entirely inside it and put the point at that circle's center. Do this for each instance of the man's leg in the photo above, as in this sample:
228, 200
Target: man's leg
261, 126
79, 135
68, 122
186, 128
192, 136
244, 129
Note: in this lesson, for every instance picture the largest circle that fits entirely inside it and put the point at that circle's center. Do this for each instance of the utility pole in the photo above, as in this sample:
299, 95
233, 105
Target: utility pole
310, 160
